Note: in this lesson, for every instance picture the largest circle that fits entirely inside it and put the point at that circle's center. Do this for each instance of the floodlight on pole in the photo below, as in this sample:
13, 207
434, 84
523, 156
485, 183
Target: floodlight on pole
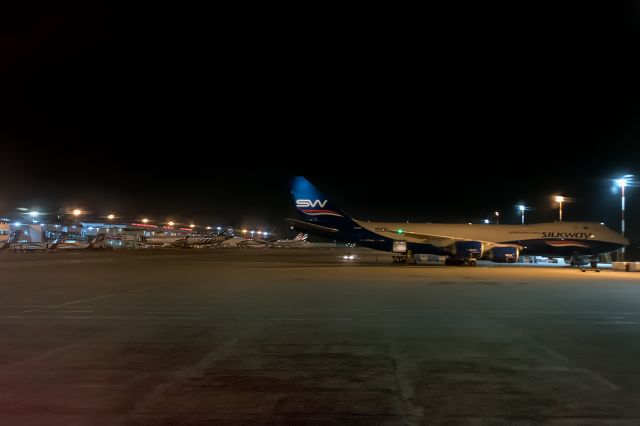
76, 213
622, 183
559, 199
522, 209
34, 215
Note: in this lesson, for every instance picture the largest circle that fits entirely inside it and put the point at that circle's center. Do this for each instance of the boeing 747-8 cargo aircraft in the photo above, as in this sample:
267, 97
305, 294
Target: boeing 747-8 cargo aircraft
461, 243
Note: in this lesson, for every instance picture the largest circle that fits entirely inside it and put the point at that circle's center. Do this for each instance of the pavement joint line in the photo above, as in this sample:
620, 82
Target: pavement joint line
93, 298
552, 354
413, 415
208, 361
98, 317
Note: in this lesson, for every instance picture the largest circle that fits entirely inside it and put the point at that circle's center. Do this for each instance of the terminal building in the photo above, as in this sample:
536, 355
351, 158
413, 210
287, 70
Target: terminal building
118, 235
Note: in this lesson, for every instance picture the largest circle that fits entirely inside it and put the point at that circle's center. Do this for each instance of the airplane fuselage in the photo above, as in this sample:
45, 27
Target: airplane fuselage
556, 238
541, 239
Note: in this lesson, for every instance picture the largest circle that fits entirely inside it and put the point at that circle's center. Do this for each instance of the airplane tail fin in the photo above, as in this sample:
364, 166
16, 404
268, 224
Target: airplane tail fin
98, 239
315, 211
59, 239
13, 237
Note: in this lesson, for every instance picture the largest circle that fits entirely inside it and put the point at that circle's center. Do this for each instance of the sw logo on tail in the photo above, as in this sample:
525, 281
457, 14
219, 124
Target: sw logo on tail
309, 203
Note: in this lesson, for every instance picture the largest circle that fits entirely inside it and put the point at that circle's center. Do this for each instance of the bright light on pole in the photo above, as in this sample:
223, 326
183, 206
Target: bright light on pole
622, 183
192, 226
145, 220
34, 215
171, 223
76, 213
218, 228
522, 209
497, 217
111, 217
559, 199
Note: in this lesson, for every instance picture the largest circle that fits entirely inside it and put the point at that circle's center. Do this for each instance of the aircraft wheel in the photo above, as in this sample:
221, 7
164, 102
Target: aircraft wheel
472, 262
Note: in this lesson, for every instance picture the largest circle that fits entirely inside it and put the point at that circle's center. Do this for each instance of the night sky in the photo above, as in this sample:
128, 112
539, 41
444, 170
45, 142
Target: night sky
441, 114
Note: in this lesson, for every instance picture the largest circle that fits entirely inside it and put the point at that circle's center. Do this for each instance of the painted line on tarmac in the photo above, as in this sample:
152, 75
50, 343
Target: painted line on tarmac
98, 317
93, 298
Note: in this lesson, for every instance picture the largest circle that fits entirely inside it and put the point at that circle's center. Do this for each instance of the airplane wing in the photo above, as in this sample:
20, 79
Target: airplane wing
299, 224
437, 240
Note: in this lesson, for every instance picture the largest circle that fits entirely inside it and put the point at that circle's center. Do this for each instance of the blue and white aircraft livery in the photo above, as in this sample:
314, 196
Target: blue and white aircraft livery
461, 243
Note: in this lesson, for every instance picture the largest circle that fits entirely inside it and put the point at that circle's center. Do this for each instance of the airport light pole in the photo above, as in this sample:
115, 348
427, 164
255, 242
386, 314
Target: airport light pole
497, 217
559, 199
111, 217
522, 209
622, 183
76, 214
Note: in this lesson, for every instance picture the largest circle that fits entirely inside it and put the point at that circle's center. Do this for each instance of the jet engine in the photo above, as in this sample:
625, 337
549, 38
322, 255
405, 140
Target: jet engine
467, 249
503, 254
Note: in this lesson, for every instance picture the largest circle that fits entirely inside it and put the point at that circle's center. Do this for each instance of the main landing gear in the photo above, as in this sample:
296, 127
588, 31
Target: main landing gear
581, 261
449, 261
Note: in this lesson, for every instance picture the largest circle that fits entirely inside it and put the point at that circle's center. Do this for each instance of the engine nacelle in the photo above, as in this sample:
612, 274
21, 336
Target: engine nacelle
467, 249
503, 254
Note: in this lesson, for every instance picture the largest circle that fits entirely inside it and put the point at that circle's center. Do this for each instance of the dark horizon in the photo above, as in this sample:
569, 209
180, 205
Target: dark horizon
154, 112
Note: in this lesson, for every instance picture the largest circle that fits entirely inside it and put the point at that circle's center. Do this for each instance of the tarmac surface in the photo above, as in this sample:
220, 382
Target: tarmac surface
251, 337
